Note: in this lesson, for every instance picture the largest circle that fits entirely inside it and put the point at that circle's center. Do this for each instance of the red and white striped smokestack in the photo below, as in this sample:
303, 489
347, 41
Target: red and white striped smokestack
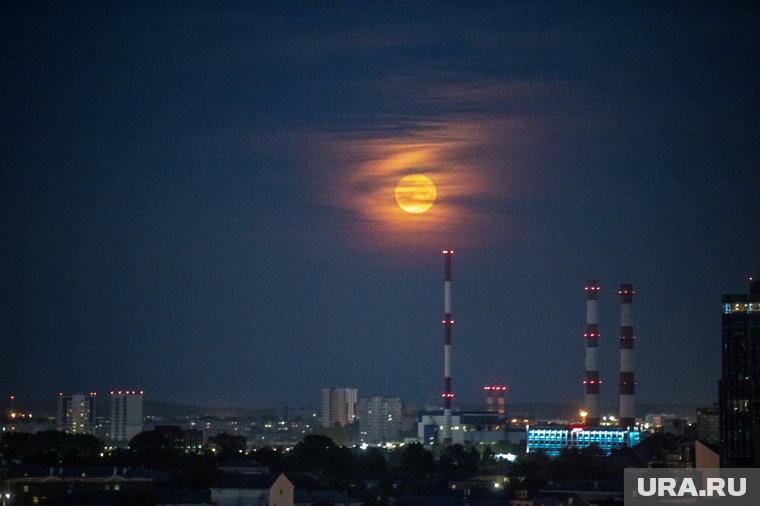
627, 381
496, 399
489, 399
591, 379
448, 395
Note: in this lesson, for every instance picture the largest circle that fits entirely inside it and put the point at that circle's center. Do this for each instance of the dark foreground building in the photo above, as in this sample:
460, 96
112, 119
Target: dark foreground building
740, 382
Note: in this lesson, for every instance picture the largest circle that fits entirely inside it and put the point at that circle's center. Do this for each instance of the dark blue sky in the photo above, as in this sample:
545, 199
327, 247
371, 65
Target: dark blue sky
197, 198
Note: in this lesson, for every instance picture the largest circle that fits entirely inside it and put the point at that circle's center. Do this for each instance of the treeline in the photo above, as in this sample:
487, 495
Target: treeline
349, 470
373, 475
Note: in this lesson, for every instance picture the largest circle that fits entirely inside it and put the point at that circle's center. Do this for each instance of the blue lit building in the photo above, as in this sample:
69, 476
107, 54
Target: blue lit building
552, 439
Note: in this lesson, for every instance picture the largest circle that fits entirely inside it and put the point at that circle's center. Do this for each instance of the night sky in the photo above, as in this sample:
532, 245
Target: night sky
198, 198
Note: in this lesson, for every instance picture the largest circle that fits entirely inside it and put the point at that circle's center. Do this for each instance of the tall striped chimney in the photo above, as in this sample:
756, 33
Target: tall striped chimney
496, 399
627, 381
448, 395
591, 379
489, 399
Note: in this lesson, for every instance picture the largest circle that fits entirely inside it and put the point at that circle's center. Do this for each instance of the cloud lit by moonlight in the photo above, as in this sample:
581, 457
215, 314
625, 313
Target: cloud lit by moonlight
458, 157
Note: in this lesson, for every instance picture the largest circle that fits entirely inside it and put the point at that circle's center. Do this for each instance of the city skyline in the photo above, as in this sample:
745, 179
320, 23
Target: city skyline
199, 200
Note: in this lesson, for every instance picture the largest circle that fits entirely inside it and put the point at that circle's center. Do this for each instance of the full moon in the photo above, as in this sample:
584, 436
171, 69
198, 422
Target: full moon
415, 194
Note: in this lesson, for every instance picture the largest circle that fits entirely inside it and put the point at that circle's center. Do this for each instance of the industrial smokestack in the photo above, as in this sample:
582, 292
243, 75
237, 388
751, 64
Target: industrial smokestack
591, 380
496, 399
448, 395
627, 381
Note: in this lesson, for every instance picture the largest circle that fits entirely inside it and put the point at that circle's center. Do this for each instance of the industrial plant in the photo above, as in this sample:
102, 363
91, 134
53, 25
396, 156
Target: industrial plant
476, 426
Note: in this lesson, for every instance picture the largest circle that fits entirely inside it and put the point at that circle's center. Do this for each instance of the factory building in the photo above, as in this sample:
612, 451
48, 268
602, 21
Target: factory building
553, 439
467, 428
449, 428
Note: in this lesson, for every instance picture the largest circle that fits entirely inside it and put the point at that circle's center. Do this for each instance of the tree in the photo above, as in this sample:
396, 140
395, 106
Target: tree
51, 448
227, 446
416, 460
574, 464
338, 466
153, 448
531, 470
487, 456
194, 471
270, 457
313, 453
341, 436
458, 461
371, 462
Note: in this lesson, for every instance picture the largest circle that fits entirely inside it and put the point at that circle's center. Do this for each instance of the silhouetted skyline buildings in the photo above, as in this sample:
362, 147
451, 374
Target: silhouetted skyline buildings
739, 402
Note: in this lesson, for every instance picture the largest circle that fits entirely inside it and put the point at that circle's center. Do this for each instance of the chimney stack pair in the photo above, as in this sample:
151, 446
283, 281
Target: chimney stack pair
627, 383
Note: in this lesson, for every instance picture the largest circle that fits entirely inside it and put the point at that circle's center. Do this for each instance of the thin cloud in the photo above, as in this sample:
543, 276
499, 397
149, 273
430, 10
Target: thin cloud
457, 155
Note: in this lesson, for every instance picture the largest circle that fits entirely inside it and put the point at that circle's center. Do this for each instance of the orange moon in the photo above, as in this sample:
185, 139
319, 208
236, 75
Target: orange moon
415, 193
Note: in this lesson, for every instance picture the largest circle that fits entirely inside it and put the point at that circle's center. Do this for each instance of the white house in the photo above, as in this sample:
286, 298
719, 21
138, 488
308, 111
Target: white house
233, 489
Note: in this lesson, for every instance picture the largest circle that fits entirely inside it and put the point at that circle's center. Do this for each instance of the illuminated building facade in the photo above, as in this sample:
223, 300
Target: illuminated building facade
552, 439
739, 387
75, 413
467, 428
126, 414
379, 419
338, 406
